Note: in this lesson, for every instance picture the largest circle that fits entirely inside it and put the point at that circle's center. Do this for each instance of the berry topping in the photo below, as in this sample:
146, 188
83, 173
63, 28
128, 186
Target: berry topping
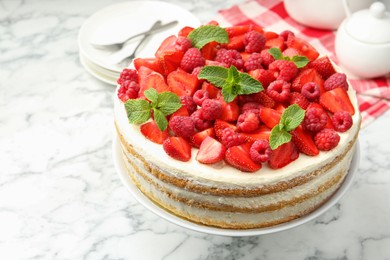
250, 106
260, 151
304, 48
305, 76
192, 58
200, 123
283, 155
337, 100
266, 57
270, 117
323, 66
182, 126
239, 157
211, 109
128, 90
188, 103
128, 74
182, 83
342, 121
253, 62
315, 119
197, 139
254, 41
299, 99
210, 151
287, 33
304, 141
284, 69
151, 131
231, 138
183, 44
311, 91
326, 139
279, 90
199, 96
178, 148
248, 121
230, 57
337, 80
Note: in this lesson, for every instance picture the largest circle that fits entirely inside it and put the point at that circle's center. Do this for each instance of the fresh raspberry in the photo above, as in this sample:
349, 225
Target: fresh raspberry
199, 96
189, 103
128, 74
266, 57
279, 90
183, 43
326, 139
128, 90
250, 106
284, 69
315, 119
200, 123
342, 121
192, 58
196, 71
254, 41
299, 99
337, 80
211, 109
230, 138
311, 91
260, 151
248, 121
182, 126
230, 57
253, 62
286, 33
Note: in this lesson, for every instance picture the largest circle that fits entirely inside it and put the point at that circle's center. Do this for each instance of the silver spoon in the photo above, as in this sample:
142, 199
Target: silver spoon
119, 45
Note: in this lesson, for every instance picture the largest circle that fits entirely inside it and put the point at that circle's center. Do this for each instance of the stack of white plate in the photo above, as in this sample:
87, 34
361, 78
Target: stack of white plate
116, 23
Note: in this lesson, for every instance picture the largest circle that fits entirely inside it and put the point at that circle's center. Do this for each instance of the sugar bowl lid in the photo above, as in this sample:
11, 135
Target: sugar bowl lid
371, 26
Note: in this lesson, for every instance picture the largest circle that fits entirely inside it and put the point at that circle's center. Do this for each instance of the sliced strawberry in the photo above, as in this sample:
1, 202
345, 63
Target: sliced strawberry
168, 56
178, 148
262, 75
323, 66
197, 139
329, 123
182, 83
151, 79
283, 155
305, 76
167, 46
263, 99
230, 111
270, 35
237, 30
236, 43
219, 125
275, 43
304, 141
185, 31
262, 133
210, 151
239, 157
209, 50
180, 112
151, 63
303, 47
151, 131
337, 100
211, 89
290, 52
270, 117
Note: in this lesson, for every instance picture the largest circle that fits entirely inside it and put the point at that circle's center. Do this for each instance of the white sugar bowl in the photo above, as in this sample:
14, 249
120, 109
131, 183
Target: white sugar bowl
363, 42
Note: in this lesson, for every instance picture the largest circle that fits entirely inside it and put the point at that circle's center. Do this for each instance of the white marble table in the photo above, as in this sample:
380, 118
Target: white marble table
60, 197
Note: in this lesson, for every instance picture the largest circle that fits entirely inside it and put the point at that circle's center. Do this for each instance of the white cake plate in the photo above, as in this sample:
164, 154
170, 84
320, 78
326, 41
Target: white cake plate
146, 202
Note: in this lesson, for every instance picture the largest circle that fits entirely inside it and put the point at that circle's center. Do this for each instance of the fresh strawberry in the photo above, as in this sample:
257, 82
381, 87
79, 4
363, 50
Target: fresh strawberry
329, 123
178, 148
275, 43
262, 133
270, 35
182, 83
211, 89
290, 52
263, 99
230, 111
283, 155
185, 31
197, 139
151, 79
304, 141
270, 117
219, 125
180, 112
323, 66
209, 50
337, 100
262, 75
299, 99
239, 157
151, 131
168, 56
237, 30
210, 151
303, 47
305, 76
236, 43
151, 63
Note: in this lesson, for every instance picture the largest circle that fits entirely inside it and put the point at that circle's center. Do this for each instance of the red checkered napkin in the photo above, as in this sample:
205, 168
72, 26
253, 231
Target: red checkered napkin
373, 94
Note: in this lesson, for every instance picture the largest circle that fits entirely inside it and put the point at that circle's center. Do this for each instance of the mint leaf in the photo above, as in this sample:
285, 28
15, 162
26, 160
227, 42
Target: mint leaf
278, 137
208, 33
232, 81
160, 119
300, 61
151, 94
168, 103
276, 53
292, 117
138, 110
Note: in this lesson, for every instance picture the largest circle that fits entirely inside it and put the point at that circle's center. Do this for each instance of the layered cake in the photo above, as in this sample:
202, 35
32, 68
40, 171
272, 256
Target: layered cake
236, 127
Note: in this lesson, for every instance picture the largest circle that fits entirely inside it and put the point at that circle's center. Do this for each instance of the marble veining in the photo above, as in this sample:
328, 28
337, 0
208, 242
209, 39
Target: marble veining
61, 198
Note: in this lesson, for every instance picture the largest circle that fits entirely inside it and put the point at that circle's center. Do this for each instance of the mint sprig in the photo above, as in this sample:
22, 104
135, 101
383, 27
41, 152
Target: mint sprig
208, 33
231, 81
291, 118
299, 61
161, 104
